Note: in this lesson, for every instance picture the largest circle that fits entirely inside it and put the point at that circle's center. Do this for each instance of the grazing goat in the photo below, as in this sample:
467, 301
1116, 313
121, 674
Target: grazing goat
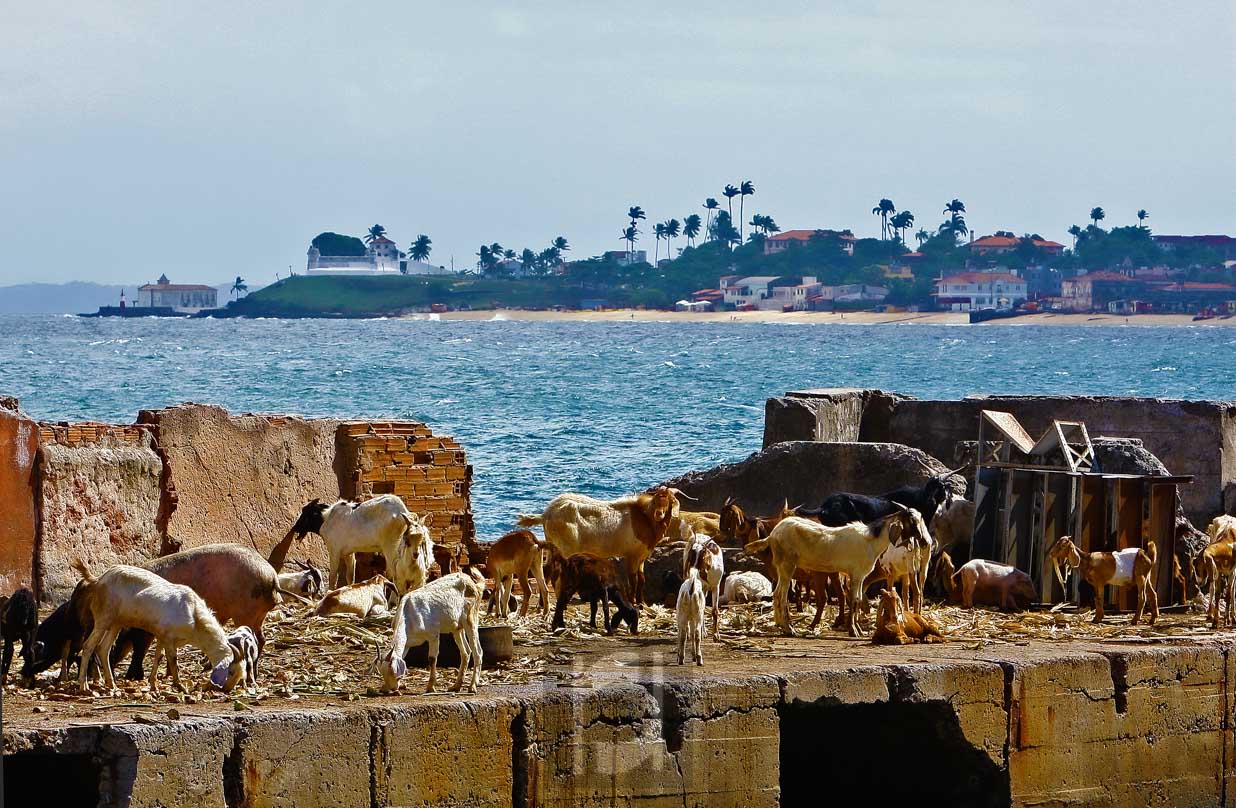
896, 626
517, 554
59, 638
851, 549
245, 641
379, 525
690, 613
593, 579
1129, 567
745, 587
132, 597
307, 581
1214, 569
449, 604
19, 620
845, 508
704, 554
704, 523
628, 527
986, 583
371, 598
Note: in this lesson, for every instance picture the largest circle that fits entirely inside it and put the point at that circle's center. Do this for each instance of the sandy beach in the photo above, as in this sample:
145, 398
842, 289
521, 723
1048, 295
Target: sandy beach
832, 318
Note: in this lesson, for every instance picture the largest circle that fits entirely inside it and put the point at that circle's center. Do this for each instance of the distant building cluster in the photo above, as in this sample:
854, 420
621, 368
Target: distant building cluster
788, 293
183, 297
382, 257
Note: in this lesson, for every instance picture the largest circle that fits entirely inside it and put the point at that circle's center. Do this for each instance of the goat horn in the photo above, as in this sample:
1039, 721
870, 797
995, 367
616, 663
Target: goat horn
950, 473
678, 492
1055, 563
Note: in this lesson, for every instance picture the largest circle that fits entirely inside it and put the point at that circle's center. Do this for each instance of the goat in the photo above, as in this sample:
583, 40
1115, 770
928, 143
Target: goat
245, 641
368, 599
704, 554
516, 554
19, 620
593, 579
379, 525
628, 527
690, 614
851, 549
307, 581
1214, 569
907, 565
1129, 567
845, 508
987, 583
450, 603
704, 523
59, 638
745, 587
953, 526
132, 597
737, 528
896, 626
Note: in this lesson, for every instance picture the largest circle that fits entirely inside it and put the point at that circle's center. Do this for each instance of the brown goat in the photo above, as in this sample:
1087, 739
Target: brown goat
895, 626
1129, 567
737, 528
702, 523
516, 555
1213, 568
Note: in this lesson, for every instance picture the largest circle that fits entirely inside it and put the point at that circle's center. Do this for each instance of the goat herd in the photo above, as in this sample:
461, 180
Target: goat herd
596, 549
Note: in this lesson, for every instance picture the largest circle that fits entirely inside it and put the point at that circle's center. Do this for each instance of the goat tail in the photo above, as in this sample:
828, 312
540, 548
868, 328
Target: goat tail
757, 546
1151, 552
529, 519
83, 571
477, 576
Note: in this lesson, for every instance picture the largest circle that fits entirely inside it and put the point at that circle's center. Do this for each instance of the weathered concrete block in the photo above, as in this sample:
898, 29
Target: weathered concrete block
243, 478
19, 443
311, 758
444, 752
166, 765
804, 472
100, 503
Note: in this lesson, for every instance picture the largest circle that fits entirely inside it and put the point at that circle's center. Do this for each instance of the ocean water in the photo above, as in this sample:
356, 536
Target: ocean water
598, 408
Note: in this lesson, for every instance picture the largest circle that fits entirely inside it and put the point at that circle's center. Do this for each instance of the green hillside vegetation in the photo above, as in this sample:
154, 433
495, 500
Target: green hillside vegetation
334, 244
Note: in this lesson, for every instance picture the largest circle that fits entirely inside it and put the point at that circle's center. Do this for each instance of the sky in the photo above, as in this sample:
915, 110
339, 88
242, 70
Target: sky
214, 140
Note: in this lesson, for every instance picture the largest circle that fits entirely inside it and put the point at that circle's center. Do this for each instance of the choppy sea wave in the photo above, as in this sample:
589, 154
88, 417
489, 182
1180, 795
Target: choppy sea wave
600, 408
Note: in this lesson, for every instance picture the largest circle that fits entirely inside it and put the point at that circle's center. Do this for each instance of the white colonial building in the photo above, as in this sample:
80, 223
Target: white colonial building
186, 297
971, 291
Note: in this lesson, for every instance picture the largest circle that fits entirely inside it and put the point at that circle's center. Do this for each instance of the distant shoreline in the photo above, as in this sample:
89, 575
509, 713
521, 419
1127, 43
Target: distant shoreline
825, 318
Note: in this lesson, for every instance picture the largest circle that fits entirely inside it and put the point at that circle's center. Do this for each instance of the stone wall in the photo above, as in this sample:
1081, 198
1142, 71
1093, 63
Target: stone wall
19, 443
1190, 437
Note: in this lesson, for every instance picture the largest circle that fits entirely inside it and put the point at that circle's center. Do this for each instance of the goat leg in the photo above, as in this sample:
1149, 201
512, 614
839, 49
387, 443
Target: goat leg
433, 662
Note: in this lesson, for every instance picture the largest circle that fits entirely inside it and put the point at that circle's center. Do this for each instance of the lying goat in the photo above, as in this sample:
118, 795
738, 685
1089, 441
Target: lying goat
307, 581
985, 583
516, 555
896, 626
131, 597
1128, 567
690, 614
745, 587
19, 619
594, 579
448, 604
704, 554
371, 598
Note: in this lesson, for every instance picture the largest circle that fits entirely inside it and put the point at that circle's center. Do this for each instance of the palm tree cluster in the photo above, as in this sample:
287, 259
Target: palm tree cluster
492, 258
955, 224
764, 225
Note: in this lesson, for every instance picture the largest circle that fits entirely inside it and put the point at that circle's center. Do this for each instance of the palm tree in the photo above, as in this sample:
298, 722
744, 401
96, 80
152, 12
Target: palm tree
376, 232
561, 245
420, 249
1097, 215
549, 257
730, 192
691, 227
630, 235
528, 260
1075, 232
635, 213
902, 222
710, 205
745, 189
486, 258
659, 231
955, 207
723, 229
922, 236
1142, 216
508, 255
672, 231
239, 286
882, 209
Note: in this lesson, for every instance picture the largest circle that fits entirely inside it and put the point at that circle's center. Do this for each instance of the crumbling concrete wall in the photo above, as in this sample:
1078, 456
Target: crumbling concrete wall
805, 472
242, 478
19, 442
1189, 437
100, 495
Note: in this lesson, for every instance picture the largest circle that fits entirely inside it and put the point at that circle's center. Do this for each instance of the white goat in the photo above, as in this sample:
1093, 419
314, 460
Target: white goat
379, 525
373, 597
798, 543
131, 597
907, 565
450, 603
745, 587
703, 553
690, 612
306, 581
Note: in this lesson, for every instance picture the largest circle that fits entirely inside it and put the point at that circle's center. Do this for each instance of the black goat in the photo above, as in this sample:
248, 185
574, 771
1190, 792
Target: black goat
841, 509
19, 618
59, 638
593, 579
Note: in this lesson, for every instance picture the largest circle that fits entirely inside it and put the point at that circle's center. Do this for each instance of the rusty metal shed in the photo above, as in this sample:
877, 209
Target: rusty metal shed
1029, 493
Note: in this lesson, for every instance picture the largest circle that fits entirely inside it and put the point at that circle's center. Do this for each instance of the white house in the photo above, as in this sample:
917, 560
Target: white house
186, 297
382, 257
793, 297
746, 291
969, 291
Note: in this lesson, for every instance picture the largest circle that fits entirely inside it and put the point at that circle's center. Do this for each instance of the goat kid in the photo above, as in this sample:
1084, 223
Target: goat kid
690, 614
704, 554
896, 626
985, 583
516, 554
448, 604
1215, 570
368, 599
245, 641
593, 579
59, 638
1129, 567
19, 620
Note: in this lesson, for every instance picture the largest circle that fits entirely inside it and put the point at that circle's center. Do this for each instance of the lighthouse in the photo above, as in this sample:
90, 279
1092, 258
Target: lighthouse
122, 300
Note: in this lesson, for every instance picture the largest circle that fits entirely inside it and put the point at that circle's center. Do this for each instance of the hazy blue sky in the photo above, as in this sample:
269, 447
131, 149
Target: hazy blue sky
210, 140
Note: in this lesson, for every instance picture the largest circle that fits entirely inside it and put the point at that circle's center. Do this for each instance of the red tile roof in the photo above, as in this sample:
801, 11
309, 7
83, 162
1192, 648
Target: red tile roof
176, 287
807, 235
1013, 241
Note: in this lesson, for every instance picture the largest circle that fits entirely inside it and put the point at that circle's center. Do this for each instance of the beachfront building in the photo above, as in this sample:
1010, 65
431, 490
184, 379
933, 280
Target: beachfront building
183, 297
1004, 242
971, 291
779, 242
742, 292
1095, 290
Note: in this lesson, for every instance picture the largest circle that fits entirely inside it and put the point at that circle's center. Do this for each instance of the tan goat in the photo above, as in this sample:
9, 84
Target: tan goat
1214, 567
516, 555
896, 626
1129, 567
